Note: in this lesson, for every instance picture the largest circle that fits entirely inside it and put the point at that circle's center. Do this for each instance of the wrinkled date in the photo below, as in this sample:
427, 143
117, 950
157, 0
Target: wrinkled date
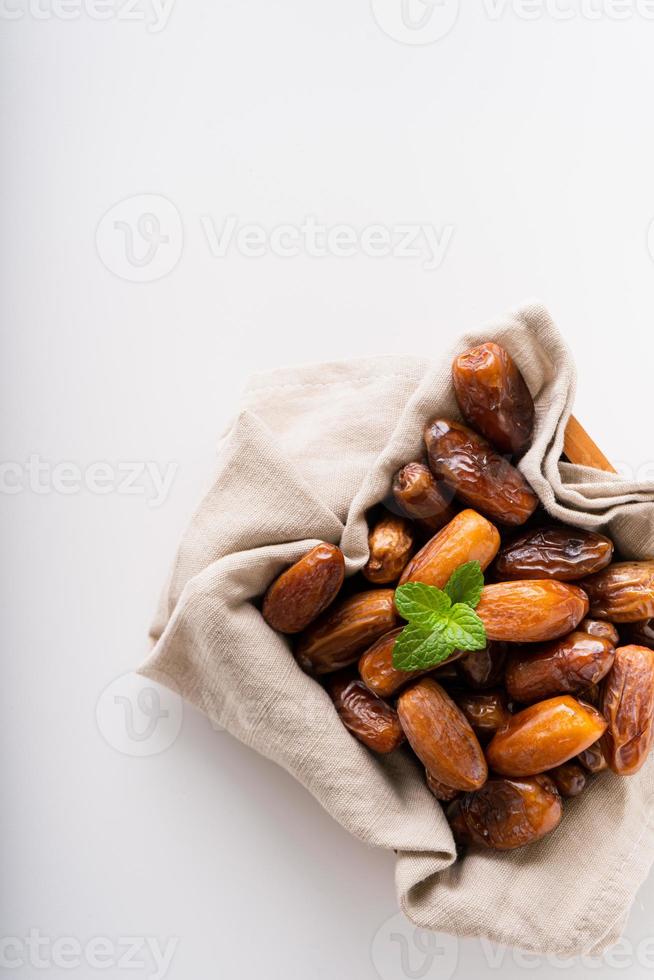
344, 631
390, 543
468, 537
305, 589
544, 736
628, 705
442, 792
441, 736
570, 779
593, 758
421, 498
563, 553
531, 611
566, 666
487, 712
494, 398
480, 476
599, 627
507, 813
623, 592
365, 715
482, 669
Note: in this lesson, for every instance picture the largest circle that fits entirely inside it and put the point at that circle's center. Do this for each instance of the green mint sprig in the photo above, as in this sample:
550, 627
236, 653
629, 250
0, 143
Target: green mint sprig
440, 621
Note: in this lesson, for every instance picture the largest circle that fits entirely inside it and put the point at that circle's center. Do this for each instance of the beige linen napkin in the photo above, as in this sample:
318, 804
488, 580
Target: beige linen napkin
311, 450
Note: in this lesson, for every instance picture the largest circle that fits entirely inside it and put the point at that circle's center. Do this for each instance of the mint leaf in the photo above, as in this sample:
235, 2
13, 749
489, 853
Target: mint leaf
465, 584
463, 628
420, 649
439, 622
422, 605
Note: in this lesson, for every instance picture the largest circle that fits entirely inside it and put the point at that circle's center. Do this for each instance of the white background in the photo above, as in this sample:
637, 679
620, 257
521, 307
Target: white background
530, 139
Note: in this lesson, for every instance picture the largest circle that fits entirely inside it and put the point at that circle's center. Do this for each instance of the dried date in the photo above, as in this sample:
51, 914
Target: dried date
442, 792
562, 553
378, 673
530, 611
468, 537
544, 736
487, 712
570, 779
441, 736
340, 635
593, 758
390, 543
640, 633
366, 716
566, 666
600, 627
481, 477
304, 590
623, 592
421, 498
482, 669
628, 706
507, 813
494, 398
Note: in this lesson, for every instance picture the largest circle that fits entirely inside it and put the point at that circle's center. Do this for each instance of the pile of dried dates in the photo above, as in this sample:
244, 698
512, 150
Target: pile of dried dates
564, 687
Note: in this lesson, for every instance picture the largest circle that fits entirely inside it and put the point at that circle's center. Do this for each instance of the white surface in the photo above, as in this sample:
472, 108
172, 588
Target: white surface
531, 139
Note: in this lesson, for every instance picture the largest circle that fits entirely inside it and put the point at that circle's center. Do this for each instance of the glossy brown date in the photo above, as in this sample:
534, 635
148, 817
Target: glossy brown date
344, 631
531, 611
390, 543
442, 792
570, 779
365, 715
600, 627
480, 476
628, 705
562, 553
566, 666
593, 758
623, 592
421, 498
468, 537
494, 398
544, 736
482, 669
377, 670
487, 712
304, 590
441, 737
507, 813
